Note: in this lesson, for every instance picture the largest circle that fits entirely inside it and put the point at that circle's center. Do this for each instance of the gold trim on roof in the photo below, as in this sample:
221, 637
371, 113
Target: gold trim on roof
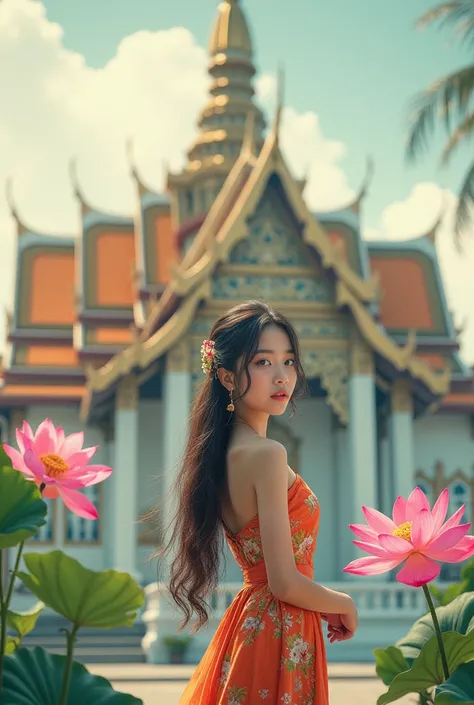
209, 248
141, 353
212, 245
21, 228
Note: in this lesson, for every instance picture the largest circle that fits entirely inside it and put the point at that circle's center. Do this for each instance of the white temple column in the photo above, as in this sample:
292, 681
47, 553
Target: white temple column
362, 429
176, 407
401, 436
161, 615
125, 476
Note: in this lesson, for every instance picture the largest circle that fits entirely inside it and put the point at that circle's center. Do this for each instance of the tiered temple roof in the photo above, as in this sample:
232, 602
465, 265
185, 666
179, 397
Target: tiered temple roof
85, 300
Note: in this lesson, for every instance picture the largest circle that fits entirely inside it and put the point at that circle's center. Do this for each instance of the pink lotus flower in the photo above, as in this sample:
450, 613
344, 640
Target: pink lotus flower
58, 462
416, 534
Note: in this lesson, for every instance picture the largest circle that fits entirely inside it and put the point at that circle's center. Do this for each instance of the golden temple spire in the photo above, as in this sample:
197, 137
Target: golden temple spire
280, 98
231, 124
85, 208
223, 120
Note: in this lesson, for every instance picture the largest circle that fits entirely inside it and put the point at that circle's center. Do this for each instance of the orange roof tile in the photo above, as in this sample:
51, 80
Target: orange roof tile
107, 336
47, 288
115, 259
52, 356
459, 399
39, 390
405, 300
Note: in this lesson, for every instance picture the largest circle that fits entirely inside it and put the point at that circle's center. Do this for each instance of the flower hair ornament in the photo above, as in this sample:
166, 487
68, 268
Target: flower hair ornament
210, 364
208, 357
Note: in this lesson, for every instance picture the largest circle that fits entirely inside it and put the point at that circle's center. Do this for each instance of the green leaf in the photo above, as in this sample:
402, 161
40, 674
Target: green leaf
459, 688
427, 669
466, 200
34, 677
13, 642
457, 616
24, 622
105, 599
389, 663
22, 510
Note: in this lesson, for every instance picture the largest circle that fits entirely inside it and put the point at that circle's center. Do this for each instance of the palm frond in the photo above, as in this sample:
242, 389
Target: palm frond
445, 97
461, 134
459, 13
464, 211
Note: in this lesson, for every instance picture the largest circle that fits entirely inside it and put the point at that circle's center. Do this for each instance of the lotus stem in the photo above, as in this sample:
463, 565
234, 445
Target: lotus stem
3, 622
71, 638
5, 600
5, 604
437, 631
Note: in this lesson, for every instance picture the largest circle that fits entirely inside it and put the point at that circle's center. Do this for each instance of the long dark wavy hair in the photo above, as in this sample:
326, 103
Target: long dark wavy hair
196, 540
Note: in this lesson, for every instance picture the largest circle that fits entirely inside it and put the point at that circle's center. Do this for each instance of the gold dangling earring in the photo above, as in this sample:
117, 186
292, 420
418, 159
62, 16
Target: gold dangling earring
230, 407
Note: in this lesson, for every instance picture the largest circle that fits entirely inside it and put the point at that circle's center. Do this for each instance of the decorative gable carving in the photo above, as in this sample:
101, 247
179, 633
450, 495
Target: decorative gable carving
273, 238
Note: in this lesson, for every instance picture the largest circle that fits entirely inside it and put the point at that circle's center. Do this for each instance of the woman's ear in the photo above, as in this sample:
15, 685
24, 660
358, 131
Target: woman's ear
226, 378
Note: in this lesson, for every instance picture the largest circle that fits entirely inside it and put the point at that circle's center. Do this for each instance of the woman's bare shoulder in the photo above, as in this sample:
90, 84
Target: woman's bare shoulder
258, 456
257, 450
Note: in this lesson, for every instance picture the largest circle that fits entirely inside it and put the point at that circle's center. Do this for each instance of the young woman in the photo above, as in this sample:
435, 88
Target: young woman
235, 482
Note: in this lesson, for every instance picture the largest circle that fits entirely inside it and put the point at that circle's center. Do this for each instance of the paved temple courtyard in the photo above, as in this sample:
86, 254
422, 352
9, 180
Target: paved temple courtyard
350, 684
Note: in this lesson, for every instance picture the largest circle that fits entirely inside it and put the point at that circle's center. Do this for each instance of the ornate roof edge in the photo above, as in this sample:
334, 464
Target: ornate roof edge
355, 205
141, 353
193, 270
403, 358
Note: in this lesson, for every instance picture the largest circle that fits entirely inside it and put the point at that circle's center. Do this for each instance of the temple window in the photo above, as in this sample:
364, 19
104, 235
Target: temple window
459, 494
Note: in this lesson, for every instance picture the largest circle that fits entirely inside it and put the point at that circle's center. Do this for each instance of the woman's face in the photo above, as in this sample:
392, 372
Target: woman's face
272, 371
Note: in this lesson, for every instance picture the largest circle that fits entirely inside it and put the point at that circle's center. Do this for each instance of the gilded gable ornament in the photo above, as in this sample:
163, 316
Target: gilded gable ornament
332, 368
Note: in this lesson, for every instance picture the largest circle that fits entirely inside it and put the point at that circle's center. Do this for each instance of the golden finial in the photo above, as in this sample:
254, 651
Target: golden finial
85, 208
21, 228
142, 189
369, 173
279, 104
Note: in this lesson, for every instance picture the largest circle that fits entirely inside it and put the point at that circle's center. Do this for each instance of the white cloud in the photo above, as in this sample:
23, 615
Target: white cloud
413, 217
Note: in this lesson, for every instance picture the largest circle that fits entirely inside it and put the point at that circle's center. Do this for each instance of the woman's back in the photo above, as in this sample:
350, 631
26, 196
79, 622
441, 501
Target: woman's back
239, 505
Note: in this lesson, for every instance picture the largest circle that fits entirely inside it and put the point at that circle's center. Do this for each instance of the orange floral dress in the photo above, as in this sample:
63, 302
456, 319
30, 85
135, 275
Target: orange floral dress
266, 650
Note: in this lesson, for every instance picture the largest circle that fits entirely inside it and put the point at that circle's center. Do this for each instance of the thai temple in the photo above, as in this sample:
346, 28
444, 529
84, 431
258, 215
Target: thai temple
106, 324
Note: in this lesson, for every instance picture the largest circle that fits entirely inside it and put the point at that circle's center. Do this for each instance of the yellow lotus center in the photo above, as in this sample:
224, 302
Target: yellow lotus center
404, 531
55, 466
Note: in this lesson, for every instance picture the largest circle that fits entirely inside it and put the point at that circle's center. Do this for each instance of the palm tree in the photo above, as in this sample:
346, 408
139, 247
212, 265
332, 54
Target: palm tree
448, 100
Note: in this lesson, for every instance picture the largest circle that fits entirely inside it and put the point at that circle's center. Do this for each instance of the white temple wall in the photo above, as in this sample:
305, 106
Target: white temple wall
150, 479
446, 441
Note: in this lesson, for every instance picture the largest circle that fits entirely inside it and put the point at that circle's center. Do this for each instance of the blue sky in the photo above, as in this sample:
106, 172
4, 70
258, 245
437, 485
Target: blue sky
356, 64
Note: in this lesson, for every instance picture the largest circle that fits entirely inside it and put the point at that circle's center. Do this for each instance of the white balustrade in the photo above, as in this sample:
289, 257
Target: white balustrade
386, 613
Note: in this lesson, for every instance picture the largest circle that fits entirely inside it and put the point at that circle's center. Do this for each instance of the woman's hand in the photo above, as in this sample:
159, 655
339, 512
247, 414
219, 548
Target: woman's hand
335, 626
342, 626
